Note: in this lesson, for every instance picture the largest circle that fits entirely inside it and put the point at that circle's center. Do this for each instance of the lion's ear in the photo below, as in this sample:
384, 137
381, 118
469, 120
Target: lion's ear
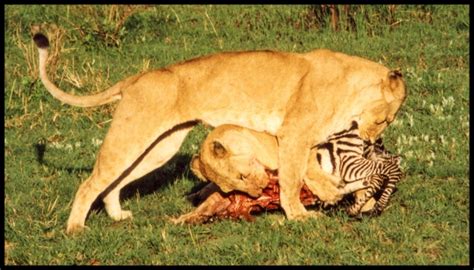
394, 91
218, 150
394, 74
196, 168
396, 84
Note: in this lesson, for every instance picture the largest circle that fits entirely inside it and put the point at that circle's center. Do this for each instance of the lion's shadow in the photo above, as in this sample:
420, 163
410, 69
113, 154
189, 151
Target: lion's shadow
158, 179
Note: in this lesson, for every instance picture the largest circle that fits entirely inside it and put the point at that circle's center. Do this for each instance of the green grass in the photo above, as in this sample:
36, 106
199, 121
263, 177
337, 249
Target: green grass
50, 148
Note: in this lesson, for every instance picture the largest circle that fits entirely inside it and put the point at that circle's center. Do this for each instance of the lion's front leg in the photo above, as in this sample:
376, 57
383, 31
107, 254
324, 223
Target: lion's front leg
324, 185
298, 133
293, 156
317, 181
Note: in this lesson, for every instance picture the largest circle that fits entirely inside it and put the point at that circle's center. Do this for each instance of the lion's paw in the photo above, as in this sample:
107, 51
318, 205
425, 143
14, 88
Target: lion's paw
73, 229
126, 215
122, 215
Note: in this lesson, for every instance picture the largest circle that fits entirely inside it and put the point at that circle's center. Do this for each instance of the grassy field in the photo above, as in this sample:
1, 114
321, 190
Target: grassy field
50, 148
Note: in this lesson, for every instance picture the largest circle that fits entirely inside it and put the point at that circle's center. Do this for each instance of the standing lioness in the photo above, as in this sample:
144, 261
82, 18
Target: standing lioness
300, 98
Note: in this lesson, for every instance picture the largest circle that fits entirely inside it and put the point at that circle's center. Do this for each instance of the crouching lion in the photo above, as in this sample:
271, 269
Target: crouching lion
299, 97
237, 158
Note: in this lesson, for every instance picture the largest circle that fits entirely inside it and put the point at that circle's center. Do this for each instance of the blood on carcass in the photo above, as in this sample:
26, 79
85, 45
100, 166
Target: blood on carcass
243, 206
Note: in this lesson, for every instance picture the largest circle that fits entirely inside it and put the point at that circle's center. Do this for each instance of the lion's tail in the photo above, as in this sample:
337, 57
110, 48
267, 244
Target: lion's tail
109, 95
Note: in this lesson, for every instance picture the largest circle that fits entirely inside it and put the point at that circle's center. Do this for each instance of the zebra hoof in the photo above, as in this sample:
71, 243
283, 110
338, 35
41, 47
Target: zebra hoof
372, 213
355, 215
376, 212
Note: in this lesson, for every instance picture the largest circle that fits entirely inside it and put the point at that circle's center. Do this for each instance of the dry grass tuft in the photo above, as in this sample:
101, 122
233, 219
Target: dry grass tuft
109, 29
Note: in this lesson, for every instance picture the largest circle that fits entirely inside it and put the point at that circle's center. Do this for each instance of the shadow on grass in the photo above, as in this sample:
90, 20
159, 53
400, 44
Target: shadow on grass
148, 184
153, 181
40, 149
159, 178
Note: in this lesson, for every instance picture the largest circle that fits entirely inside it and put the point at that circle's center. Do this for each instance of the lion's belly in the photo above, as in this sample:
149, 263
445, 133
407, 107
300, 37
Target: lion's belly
269, 122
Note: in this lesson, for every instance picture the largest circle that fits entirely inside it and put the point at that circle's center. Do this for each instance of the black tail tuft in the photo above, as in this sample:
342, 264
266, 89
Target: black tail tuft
41, 41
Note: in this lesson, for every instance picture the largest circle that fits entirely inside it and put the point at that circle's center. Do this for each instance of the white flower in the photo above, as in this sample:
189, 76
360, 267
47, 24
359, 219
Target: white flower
96, 142
447, 102
412, 139
436, 109
398, 122
432, 108
426, 137
404, 138
57, 145
399, 150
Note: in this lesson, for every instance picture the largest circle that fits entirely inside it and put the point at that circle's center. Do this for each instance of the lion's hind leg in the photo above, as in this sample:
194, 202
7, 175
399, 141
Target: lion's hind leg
158, 155
137, 133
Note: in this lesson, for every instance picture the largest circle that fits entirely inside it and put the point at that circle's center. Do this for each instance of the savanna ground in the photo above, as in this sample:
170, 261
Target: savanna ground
50, 147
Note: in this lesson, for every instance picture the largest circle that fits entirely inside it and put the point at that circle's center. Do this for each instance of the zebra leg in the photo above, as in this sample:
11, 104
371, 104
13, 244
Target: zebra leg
393, 178
375, 183
382, 202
